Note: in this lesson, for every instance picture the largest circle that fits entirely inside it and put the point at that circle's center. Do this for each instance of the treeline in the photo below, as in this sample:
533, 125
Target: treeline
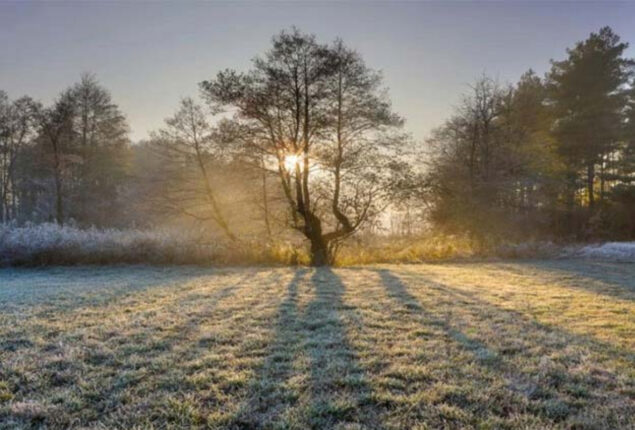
305, 145
66, 161
550, 157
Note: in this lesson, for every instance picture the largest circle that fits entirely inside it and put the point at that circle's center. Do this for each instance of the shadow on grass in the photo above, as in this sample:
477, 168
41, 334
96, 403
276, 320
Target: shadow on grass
67, 289
339, 391
131, 286
163, 351
616, 280
398, 291
311, 377
270, 395
549, 388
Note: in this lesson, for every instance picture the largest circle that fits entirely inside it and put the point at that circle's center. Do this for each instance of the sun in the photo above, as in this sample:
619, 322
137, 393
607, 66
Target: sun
290, 161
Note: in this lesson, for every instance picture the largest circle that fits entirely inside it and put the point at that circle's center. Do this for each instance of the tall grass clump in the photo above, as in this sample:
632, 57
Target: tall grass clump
439, 247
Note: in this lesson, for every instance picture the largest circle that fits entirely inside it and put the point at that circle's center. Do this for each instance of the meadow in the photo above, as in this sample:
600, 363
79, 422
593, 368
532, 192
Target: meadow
532, 344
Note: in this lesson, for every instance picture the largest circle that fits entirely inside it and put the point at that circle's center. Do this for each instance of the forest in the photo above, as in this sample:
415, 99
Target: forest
302, 156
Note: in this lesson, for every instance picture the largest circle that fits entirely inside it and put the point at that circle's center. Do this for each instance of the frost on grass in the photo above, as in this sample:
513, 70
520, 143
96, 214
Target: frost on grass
544, 344
617, 251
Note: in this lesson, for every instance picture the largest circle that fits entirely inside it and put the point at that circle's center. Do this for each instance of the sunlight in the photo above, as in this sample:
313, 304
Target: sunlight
290, 161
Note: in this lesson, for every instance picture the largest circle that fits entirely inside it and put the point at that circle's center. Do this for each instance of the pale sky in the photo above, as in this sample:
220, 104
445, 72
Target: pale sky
150, 54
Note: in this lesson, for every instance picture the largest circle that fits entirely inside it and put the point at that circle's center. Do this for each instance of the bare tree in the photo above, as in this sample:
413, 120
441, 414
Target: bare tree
189, 143
322, 121
100, 139
16, 127
56, 132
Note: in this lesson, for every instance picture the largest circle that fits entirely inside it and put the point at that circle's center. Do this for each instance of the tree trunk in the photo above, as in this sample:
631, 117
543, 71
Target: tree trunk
59, 201
319, 246
59, 208
319, 252
590, 181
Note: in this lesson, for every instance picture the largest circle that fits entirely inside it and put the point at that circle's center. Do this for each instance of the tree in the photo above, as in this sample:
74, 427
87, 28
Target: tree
465, 160
492, 166
83, 137
191, 145
56, 128
100, 136
16, 127
587, 92
319, 116
626, 164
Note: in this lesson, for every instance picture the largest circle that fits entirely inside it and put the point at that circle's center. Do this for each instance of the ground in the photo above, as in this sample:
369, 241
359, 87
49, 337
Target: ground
543, 344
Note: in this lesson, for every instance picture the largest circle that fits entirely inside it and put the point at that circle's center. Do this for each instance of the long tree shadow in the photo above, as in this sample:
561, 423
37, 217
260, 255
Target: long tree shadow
398, 291
310, 377
548, 335
340, 394
615, 280
270, 395
546, 390
133, 351
69, 289
166, 350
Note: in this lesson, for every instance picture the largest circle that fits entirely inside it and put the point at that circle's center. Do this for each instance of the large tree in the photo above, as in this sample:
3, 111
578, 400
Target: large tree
320, 117
587, 91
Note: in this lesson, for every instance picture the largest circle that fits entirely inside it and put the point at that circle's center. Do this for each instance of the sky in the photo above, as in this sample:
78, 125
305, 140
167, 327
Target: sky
150, 54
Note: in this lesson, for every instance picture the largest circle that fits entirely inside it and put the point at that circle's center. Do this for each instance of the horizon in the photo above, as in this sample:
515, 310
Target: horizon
151, 55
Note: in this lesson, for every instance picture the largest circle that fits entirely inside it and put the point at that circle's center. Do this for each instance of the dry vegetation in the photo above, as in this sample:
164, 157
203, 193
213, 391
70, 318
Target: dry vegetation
501, 345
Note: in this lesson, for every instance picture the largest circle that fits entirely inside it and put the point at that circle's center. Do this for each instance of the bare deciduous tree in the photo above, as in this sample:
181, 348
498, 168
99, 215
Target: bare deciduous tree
16, 127
324, 123
189, 140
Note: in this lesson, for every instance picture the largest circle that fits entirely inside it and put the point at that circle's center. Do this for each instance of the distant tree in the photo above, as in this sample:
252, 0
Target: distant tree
320, 119
16, 129
190, 147
626, 165
82, 141
587, 92
492, 167
622, 194
55, 125
465, 156
100, 136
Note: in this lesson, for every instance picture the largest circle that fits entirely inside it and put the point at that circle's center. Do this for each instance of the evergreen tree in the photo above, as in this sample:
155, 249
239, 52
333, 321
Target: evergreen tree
587, 92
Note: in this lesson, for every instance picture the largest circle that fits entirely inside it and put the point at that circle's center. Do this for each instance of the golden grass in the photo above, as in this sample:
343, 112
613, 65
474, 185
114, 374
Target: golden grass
544, 344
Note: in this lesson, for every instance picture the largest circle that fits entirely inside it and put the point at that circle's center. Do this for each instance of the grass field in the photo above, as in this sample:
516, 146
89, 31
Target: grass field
544, 344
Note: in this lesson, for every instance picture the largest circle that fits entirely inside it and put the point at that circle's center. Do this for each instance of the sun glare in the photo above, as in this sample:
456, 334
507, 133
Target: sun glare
290, 161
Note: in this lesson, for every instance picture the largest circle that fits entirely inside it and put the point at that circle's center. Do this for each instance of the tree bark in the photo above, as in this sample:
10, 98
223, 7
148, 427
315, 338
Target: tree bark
59, 201
319, 244
319, 252
590, 181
